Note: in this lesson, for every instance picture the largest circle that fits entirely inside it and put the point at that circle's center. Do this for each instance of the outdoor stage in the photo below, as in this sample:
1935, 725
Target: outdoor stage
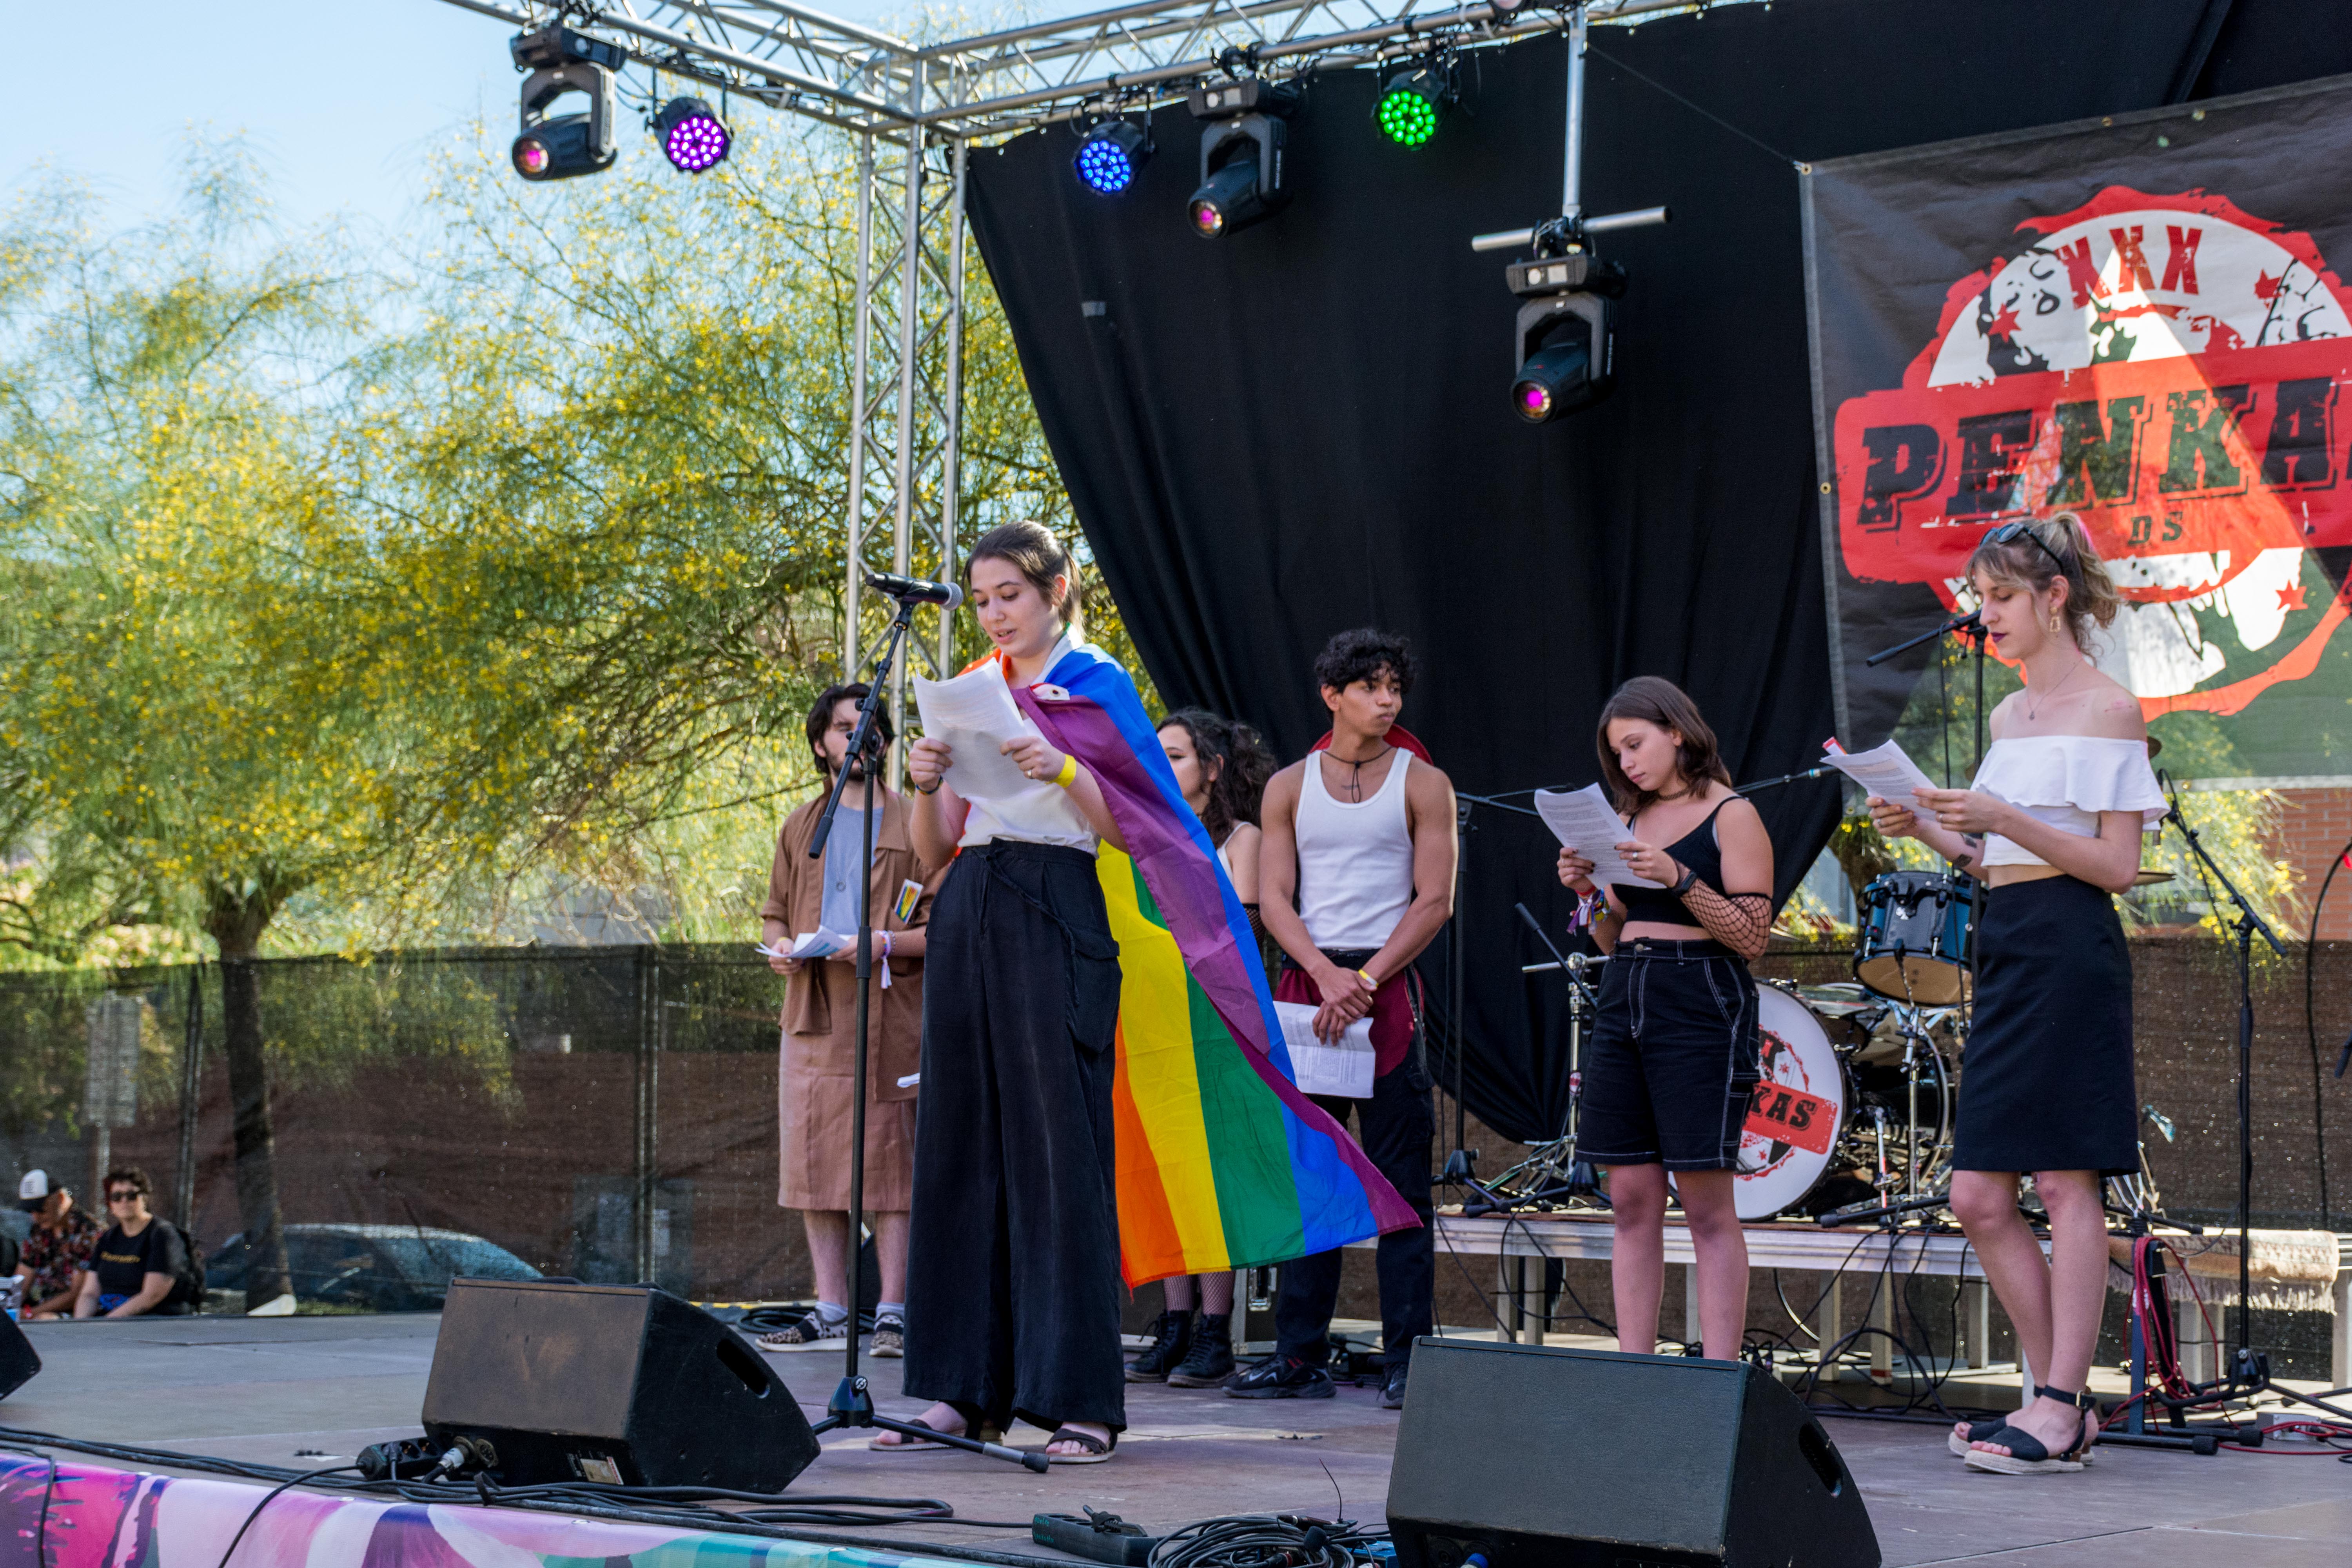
306, 1392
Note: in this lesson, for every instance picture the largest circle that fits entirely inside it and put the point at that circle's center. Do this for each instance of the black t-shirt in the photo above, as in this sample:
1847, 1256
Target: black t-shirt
123, 1262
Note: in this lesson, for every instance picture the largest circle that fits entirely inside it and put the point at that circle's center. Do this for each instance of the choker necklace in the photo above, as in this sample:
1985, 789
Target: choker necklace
1356, 770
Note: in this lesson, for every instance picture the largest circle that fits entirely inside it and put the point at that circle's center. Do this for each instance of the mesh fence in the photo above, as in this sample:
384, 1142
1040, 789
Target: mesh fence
610, 1113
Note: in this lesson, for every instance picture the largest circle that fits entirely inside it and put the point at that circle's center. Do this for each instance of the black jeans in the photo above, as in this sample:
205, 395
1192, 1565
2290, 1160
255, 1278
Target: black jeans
1398, 1128
1013, 1287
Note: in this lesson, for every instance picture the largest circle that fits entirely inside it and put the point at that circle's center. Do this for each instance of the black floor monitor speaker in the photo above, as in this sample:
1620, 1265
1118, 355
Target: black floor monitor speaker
609, 1382
17, 1361
1532, 1457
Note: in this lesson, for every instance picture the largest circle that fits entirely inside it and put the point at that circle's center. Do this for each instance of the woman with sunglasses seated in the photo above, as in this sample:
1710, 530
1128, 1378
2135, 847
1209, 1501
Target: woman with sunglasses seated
2052, 825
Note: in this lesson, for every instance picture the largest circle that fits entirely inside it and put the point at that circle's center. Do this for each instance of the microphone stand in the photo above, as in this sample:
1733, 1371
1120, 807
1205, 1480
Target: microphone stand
1551, 1181
1969, 629
2249, 1373
852, 1404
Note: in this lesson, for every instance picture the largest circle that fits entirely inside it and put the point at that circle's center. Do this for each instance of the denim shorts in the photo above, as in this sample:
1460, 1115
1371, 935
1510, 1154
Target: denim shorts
1673, 1058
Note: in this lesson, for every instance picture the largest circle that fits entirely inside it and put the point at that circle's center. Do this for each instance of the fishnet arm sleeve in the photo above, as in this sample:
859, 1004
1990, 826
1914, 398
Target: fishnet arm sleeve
1257, 926
1741, 921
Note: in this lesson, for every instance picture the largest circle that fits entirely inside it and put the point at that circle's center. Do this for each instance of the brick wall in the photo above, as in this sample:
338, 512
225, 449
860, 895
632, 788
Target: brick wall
2314, 828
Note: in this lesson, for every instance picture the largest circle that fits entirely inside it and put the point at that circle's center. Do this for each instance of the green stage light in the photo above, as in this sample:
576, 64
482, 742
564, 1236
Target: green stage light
1409, 106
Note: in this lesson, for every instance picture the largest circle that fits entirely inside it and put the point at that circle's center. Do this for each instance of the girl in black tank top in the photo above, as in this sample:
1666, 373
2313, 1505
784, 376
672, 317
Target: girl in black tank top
1673, 1058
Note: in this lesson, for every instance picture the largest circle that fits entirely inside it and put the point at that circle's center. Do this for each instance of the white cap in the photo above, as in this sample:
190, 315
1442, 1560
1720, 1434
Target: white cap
34, 1187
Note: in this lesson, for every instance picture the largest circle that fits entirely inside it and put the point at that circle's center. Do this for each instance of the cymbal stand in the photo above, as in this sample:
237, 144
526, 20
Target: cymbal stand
1552, 1173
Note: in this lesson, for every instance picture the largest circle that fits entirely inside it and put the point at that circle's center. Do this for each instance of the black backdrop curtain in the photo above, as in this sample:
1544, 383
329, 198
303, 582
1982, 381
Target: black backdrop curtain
1305, 427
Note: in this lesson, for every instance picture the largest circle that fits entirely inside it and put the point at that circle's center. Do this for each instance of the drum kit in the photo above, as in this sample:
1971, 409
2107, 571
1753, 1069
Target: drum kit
1853, 1117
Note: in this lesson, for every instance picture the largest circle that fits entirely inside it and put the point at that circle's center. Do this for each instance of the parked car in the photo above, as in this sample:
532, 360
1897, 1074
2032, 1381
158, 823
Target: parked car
371, 1268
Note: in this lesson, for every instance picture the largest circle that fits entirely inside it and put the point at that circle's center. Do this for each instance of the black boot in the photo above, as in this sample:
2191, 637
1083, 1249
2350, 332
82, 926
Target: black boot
1172, 1337
1211, 1359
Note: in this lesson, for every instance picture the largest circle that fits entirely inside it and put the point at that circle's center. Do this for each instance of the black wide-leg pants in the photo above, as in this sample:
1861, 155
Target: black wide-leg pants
1012, 1282
1398, 1128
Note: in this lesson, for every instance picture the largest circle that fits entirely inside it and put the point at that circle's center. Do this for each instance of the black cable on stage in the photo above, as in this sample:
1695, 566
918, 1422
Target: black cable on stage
270, 1497
131, 1453
1261, 1540
668, 1504
2310, 1026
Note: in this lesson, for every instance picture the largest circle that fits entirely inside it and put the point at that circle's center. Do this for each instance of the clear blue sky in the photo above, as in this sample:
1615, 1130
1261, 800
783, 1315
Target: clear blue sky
339, 100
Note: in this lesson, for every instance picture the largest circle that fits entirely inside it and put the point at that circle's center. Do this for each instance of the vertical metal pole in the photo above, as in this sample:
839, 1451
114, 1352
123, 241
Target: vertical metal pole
649, 1019
952, 452
1571, 186
855, 531
183, 1190
910, 277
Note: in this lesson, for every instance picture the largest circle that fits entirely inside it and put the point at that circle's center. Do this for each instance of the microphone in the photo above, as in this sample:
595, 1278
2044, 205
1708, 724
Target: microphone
946, 595
1967, 623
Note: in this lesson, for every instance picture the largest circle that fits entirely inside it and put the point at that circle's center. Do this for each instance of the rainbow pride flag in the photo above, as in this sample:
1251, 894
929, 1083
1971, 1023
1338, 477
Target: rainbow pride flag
1223, 1164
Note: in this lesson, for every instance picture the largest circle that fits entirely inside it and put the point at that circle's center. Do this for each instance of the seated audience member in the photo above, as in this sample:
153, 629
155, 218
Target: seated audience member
59, 1248
140, 1263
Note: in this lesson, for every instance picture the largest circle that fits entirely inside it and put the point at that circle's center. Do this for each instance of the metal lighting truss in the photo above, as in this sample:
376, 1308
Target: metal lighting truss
916, 108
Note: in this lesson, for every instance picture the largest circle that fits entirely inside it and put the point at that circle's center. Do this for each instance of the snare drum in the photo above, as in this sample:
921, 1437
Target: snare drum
1914, 945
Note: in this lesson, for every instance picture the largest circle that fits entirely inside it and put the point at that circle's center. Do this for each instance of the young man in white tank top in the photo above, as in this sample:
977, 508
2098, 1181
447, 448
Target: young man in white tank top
1355, 878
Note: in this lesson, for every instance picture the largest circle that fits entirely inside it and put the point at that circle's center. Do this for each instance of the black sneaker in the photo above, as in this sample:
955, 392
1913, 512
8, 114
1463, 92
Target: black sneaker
1211, 1359
1281, 1377
1172, 1337
1393, 1386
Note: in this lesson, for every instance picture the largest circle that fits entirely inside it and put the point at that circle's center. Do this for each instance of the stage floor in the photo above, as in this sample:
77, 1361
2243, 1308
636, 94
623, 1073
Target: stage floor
292, 1391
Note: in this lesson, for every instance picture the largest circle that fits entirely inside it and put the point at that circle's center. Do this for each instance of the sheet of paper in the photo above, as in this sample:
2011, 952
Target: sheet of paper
818, 943
1583, 820
975, 715
1885, 771
1344, 1069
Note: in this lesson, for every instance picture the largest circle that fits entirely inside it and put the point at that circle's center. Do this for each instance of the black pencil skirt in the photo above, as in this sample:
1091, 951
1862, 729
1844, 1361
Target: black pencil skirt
1012, 1282
2046, 1076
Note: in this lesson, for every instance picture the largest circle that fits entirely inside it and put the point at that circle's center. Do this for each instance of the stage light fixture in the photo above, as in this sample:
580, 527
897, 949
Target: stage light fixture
1110, 156
1566, 333
561, 61
693, 136
1410, 104
1241, 154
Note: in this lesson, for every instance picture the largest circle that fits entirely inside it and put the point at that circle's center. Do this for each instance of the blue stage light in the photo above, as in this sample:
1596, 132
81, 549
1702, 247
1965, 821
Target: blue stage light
1111, 155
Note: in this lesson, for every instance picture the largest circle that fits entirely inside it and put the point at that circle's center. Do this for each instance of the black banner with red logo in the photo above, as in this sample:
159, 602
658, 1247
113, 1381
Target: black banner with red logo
2137, 319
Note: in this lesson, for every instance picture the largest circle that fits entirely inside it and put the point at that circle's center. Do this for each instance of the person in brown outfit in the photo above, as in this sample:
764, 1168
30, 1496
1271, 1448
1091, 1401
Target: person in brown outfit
817, 1078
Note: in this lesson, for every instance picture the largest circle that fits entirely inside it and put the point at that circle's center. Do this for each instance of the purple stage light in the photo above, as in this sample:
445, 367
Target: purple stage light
693, 136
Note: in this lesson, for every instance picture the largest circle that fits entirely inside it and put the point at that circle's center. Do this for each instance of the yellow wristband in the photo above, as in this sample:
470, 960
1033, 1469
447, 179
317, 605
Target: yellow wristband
1366, 976
1069, 774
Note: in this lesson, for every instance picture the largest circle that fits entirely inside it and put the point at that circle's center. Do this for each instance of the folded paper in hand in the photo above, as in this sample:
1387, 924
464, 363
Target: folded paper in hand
1343, 1068
818, 943
975, 715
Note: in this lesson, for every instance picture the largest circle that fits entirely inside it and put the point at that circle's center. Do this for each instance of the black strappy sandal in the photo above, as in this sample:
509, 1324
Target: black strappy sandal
2027, 1455
1097, 1450
1979, 1432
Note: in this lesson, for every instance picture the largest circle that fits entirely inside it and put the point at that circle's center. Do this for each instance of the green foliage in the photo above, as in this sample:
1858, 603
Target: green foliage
367, 599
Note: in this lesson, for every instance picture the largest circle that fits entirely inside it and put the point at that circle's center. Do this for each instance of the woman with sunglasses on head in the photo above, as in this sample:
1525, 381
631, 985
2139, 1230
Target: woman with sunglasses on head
1674, 1055
2052, 825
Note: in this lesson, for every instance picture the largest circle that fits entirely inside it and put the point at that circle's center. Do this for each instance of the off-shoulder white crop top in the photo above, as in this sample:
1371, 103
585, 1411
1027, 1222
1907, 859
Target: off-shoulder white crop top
2065, 781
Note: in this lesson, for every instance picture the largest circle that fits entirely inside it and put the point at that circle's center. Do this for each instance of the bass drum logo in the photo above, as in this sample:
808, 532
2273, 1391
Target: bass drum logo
2169, 367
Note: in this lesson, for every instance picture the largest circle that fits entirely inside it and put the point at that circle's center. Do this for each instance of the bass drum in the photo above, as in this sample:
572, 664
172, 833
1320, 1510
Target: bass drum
1798, 1112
